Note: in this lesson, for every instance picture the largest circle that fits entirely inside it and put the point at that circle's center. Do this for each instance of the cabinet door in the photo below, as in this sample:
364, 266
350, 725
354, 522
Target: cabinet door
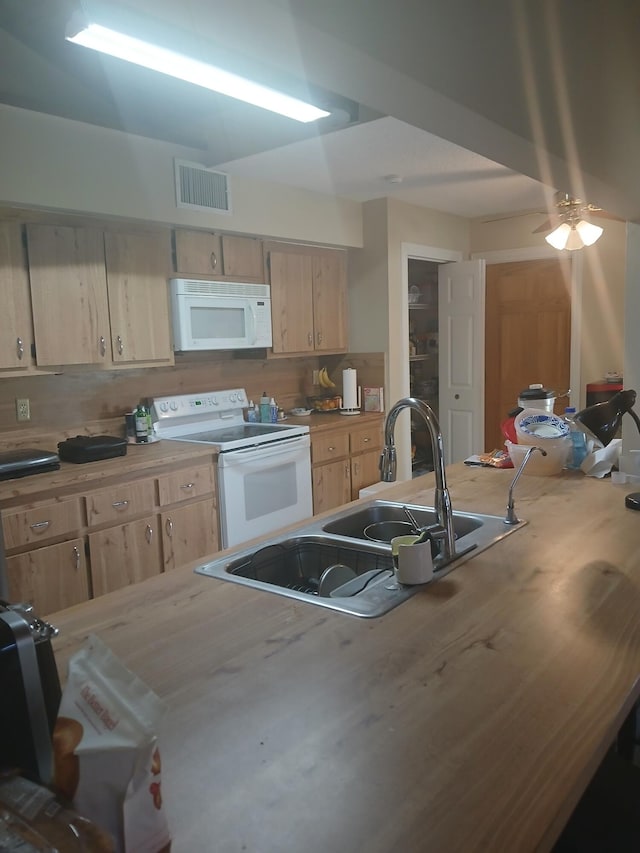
291, 302
331, 485
50, 578
365, 471
69, 295
138, 267
124, 555
242, 258
198, 253
16, 325
188, 533
330, 301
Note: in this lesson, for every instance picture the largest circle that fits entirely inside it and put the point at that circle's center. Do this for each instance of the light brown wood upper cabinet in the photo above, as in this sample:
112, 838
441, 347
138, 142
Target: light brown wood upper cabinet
138, 268
308, 299
16, 324
99, 298
218, 256
69, 295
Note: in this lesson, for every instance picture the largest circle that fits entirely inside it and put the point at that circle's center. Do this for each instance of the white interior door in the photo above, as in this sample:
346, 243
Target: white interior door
461, 288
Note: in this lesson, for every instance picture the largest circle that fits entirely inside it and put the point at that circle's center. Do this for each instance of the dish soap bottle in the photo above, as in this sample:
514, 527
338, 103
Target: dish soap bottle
265, 409
142, 424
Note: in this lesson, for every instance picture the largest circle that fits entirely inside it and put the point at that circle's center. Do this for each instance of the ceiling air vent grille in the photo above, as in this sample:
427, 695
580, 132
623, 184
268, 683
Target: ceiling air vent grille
200, 188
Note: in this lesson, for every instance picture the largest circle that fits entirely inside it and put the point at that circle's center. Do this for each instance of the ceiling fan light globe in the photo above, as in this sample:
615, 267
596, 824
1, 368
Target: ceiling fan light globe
559, 236
589, 232
574, 240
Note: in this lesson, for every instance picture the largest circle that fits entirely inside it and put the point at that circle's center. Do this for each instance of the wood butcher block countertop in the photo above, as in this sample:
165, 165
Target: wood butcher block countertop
469, 718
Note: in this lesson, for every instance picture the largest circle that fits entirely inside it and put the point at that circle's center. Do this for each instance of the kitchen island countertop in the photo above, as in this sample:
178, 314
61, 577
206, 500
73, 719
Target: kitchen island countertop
469, 718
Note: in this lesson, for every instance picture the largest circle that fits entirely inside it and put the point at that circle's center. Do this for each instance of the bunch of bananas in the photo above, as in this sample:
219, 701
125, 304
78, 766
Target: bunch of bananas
324, 379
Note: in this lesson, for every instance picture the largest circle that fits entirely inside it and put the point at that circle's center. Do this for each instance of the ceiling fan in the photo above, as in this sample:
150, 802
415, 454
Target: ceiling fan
569, 225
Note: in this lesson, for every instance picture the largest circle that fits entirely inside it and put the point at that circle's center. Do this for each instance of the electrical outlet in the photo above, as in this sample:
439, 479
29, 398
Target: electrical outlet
316, 377
23, 410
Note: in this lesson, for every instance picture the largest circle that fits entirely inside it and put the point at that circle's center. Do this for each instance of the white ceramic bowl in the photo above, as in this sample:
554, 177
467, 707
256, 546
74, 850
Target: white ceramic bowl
542, 466
534, 427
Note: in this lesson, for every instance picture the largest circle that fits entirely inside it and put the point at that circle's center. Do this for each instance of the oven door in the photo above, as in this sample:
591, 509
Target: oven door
264, 488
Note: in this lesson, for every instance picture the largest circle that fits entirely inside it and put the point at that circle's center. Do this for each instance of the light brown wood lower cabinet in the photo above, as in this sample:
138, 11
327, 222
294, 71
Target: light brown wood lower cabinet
49, 578
365, 471
356, 452
124, 554
331, 485
189, 532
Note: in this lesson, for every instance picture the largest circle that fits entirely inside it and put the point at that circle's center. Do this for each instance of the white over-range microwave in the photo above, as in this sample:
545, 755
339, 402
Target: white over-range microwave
209, 315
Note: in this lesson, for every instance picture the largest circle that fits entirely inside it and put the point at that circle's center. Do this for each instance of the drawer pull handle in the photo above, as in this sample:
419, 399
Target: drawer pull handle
149, 533
102, 346
118, 504
214, 260
120, 345
356, 469
169, 528
319, 337
310, 339
19, 348
76, 556
365, 440
40, 525
331, 449
187, 486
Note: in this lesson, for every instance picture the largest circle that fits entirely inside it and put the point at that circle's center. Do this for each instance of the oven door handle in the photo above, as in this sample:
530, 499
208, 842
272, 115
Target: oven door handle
264, 451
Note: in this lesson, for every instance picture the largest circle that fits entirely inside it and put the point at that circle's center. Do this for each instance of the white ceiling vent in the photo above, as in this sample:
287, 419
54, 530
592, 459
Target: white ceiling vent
200, 188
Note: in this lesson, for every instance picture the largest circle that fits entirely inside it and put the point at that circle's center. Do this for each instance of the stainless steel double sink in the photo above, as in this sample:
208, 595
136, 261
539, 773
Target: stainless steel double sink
296, 565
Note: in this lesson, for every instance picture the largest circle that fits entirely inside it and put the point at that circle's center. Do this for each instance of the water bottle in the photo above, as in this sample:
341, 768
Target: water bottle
578, 449
265, 409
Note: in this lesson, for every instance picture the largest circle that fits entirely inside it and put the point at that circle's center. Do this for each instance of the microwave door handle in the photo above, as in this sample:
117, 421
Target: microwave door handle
252, 325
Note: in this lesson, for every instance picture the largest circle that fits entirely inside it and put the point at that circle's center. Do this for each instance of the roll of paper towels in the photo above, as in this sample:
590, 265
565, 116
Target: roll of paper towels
350, 396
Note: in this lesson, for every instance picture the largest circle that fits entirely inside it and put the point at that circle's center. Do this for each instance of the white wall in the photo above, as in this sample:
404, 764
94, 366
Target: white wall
630, 434
57, 164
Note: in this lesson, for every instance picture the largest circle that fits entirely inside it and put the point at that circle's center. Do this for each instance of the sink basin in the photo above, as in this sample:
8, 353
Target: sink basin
295, 565
353, 524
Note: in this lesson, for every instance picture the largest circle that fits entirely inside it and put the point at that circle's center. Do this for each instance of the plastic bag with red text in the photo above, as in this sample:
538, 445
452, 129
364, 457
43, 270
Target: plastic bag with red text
106, 755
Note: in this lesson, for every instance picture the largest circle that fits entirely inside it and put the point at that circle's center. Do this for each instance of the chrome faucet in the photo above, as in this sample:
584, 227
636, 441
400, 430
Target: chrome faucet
388, 462
511, 517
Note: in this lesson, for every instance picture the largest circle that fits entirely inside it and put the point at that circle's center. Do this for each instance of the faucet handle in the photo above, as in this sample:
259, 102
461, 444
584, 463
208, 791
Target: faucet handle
388, 463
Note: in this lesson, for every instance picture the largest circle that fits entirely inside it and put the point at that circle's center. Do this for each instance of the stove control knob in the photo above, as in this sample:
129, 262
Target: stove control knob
214, 401
173, 406
232, 398
241, 397
164, 407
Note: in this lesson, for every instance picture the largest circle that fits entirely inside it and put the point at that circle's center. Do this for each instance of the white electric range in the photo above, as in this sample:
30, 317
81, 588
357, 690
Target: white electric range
264, 470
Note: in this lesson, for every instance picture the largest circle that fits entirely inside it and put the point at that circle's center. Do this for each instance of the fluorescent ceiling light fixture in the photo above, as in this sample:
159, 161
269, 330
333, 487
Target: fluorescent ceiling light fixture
174, 64
574, 236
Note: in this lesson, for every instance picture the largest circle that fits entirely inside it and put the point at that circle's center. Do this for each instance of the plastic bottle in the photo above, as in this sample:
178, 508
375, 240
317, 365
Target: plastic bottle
142, 424
578, 449
273, 411
265, 409
251, 413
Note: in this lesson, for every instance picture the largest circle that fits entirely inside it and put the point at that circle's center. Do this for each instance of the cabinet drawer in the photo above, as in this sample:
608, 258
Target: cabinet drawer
365, 438
25, 527
327, 447
187, 483
120, 502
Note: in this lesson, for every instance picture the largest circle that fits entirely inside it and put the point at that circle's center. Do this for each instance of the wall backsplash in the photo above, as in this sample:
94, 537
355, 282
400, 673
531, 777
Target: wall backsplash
92, 402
